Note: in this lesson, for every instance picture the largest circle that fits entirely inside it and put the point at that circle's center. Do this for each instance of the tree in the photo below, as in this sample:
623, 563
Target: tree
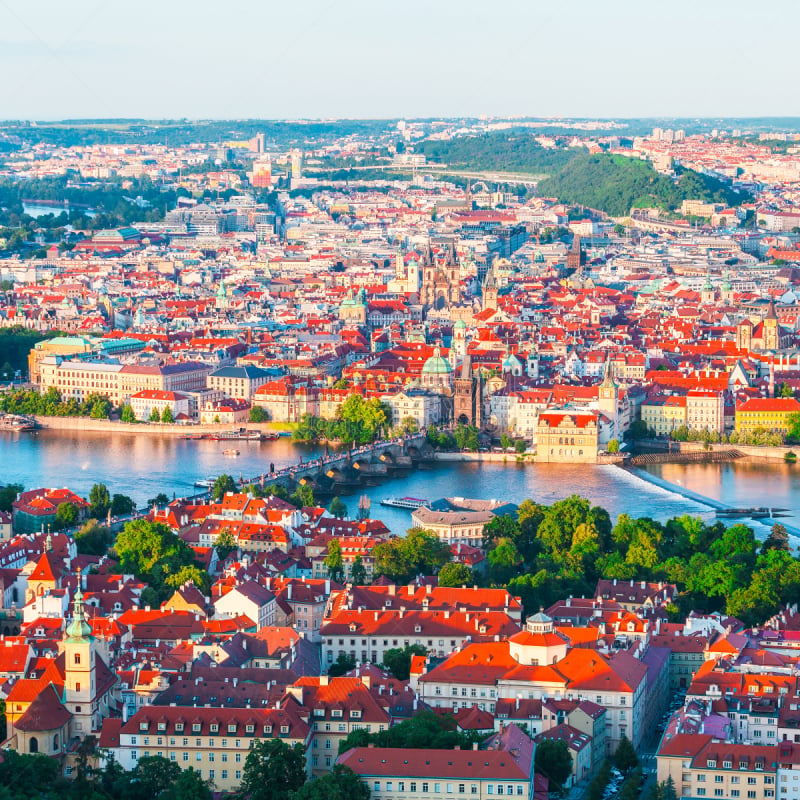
99, 501
223, 485
189, 786
258, 414
93, 539
426, 730
344, 663
157, 555
339, 784
419, 552
397, 660
333, 561
554, 761
66, 515
613, 446
338, 508
303, 496
505, 442
126, 414
153, 776
358, 573
159, 500
167, 416
121, 505
778, 539
454, 573
154, 415
273, 770
503, 559
520, 446
225, 544
8, 494
625, 758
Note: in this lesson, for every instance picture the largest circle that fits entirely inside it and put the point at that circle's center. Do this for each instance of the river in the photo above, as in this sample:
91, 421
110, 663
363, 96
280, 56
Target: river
144, 465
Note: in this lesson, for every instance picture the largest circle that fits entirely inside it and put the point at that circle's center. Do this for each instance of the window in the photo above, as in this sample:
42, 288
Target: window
425, 788
185, 756
413, 786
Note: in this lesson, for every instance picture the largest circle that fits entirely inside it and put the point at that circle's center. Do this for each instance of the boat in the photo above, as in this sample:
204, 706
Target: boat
242, 434
410, 503
205, 483
16, 422
231, 451
271, 436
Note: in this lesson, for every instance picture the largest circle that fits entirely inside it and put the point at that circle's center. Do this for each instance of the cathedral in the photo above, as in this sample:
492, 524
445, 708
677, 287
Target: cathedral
441, 280
766, 335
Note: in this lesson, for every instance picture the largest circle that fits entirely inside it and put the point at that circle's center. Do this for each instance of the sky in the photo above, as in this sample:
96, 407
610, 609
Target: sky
374, 58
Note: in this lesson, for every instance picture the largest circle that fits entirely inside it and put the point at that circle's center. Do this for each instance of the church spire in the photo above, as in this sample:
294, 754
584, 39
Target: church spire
78, 629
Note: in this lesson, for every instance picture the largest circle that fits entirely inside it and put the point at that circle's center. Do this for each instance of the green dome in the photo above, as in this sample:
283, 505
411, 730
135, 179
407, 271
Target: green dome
436, 365
539, 257
460, 325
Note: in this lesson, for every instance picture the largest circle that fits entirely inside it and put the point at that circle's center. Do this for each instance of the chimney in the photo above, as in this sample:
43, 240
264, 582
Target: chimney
323, 680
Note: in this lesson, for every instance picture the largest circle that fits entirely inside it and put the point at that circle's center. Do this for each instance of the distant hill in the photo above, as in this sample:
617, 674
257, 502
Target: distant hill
613, 184
616, 184
505, 152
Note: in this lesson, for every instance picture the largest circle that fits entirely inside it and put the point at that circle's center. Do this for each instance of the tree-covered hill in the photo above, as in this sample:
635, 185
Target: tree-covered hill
609, 183
616, 184
508, 152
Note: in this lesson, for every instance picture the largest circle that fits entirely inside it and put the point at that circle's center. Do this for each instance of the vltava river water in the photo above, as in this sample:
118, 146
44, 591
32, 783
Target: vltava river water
142, 466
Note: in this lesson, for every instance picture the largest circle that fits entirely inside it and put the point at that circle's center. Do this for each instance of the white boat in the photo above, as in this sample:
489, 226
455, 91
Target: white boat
404, 502
205, 483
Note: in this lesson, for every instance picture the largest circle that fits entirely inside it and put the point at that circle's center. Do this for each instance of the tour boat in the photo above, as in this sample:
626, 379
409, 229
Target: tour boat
403, 502
16, 422
205, 483
231, 451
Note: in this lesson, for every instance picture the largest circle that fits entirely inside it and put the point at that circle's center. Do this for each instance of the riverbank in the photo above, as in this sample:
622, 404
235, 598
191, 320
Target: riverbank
149, 428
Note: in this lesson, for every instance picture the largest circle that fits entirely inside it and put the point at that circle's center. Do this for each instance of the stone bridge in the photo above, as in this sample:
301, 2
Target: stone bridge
346, 471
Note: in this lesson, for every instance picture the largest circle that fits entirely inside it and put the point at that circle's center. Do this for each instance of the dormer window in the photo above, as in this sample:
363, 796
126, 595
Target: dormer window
418, 629
250, 729
178, 727
196, 727
336, 713
214, 728
711, 763
268, 730
232, 727
284, 729
162, 726
143, 726
355, 714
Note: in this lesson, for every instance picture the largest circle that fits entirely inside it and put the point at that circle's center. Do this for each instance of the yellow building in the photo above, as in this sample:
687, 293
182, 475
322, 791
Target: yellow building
664, 414
567, 436
700, 767
213, 741
69, 346
771, 414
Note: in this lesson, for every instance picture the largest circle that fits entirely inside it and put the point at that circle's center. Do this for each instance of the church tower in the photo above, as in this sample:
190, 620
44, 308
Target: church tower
744, 335
489, 291
467, 396
608, 398
458, 345
80, 680
771, 332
